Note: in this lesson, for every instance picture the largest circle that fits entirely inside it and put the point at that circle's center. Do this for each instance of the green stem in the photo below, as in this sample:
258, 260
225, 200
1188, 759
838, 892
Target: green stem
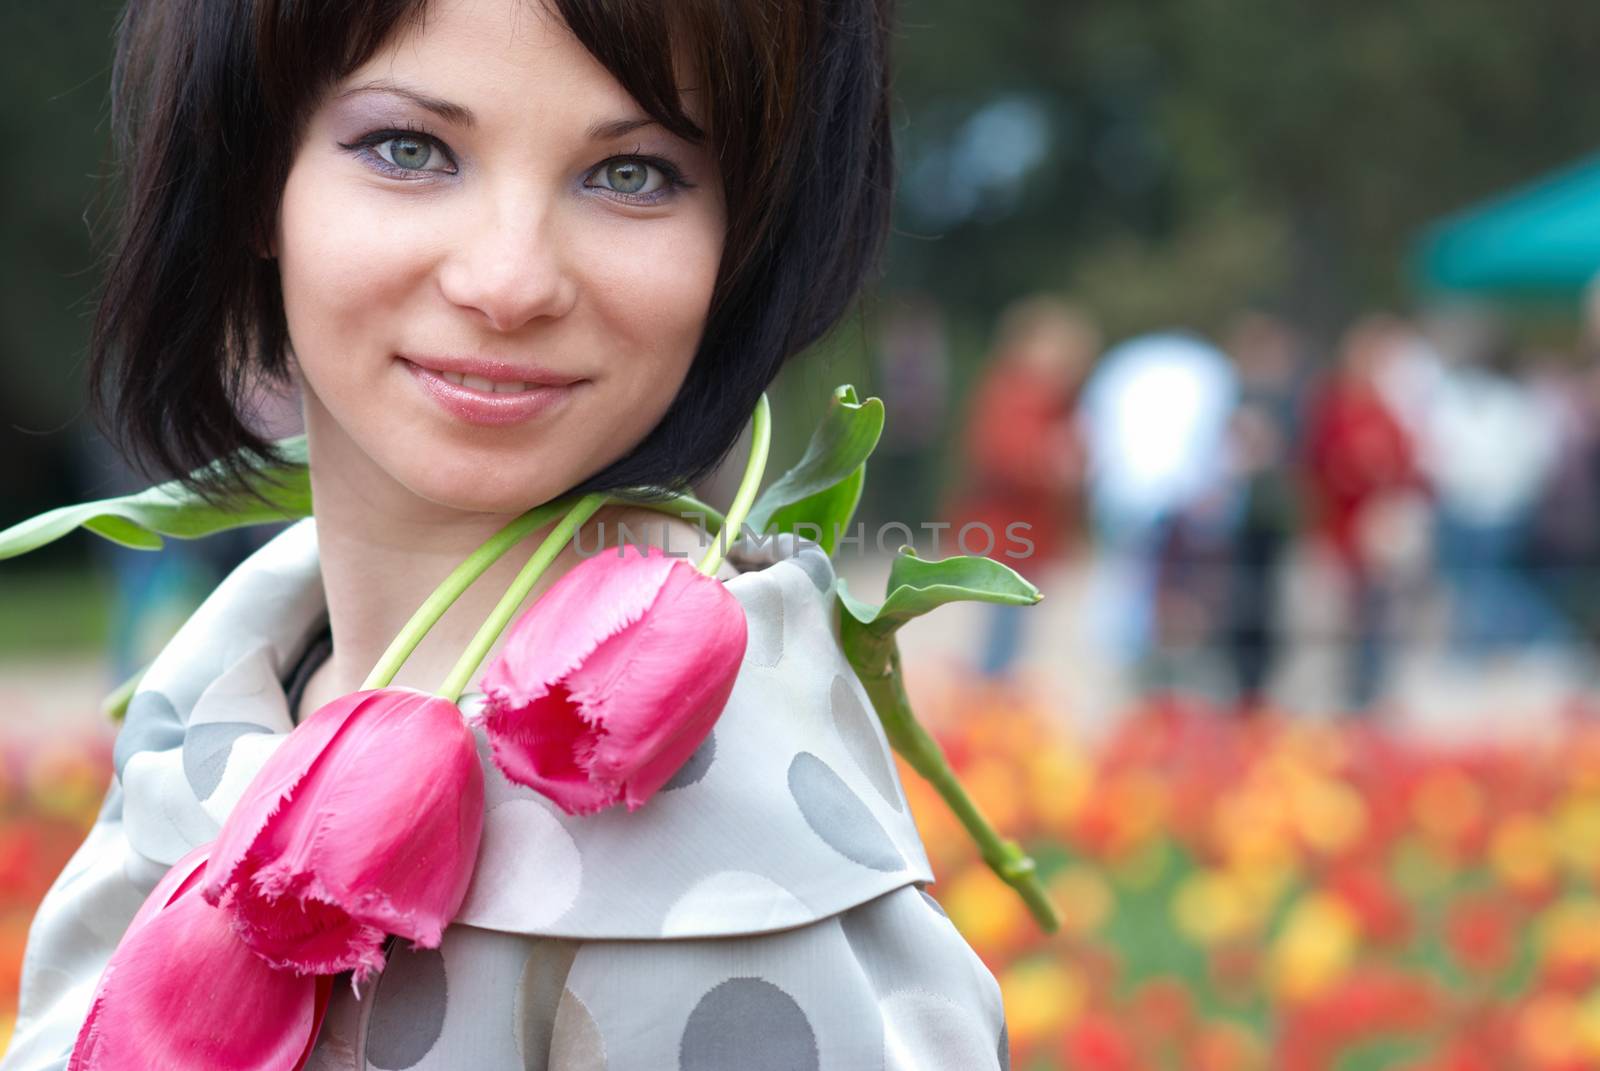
458, 581
506, 608
749, 484
115, 705
1006, 858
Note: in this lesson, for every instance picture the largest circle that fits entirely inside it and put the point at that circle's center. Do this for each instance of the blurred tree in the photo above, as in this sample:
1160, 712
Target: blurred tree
1251, 149
54, 61
1164, 160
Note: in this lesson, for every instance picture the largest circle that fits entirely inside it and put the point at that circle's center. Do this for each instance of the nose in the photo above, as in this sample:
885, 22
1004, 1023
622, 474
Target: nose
510, 268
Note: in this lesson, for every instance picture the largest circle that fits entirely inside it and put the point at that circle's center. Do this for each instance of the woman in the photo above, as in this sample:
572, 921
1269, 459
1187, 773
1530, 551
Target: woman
511, 250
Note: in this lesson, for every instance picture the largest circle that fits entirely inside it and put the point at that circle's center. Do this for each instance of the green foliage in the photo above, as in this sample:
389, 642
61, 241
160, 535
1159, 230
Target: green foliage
822, 490
283, 492
917, 586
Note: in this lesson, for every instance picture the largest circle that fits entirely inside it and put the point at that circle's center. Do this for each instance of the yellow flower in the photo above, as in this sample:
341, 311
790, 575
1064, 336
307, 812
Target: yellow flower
1521, 851
1548, 1031
986, 910
1210, 907
1059, 781
1328, 815
1314, 949
1569, 933
1083, 899
1042, 997
1588, 1025
1577, 837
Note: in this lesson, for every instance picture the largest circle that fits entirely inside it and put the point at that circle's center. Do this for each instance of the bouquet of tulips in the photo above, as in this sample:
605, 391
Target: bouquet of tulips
364, 826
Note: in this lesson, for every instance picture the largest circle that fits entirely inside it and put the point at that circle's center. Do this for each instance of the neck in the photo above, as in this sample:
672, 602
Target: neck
383, 551
381, 559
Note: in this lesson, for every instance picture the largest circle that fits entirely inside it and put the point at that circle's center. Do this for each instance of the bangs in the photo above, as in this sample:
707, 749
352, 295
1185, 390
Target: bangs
210, 99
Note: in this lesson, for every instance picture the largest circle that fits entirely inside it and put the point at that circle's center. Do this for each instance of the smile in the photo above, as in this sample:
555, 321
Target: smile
487, 386
490, 394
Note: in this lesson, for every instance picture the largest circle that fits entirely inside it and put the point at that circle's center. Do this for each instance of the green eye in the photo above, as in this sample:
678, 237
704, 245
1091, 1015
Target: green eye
627, 176
640, 179
412, 152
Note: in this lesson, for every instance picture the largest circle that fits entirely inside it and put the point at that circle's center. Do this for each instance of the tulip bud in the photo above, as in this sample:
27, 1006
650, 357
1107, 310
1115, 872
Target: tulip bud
365, 822
182, 991
612, 679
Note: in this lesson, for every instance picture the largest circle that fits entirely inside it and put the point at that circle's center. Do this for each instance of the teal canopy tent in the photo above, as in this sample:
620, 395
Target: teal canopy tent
1540, 240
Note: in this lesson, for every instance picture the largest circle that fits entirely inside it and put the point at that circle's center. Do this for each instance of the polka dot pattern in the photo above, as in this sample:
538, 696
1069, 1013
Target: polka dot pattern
748, 1024
698, 909
815, 565
537, 998
693, 770
838, 816
529, 870
408, 1009
855, 727
205, 753
576, 1044
151, 724
763, 606
932, 1033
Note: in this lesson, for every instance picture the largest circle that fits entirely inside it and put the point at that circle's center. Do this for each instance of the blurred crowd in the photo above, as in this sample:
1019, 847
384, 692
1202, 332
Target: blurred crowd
1445, 474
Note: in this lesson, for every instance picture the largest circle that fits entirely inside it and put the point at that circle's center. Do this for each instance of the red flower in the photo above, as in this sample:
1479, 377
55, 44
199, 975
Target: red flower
613, 678
224, 1010
365, 822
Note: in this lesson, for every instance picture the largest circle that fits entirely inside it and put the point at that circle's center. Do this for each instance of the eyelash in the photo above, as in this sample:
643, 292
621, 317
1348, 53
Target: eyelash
366, 147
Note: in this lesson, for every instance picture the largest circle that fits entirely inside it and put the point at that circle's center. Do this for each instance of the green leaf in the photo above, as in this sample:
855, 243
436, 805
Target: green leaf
824, 489
170, 509
916, 586
825, 515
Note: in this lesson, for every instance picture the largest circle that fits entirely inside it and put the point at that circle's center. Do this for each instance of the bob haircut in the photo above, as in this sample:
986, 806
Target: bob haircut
209, 100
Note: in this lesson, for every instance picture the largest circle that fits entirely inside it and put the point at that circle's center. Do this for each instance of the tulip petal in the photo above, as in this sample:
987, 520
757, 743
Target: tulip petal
182, 991
372, 829
613, 678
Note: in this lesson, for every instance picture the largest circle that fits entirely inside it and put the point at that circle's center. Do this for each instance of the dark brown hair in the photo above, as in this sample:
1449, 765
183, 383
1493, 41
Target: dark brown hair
211, 95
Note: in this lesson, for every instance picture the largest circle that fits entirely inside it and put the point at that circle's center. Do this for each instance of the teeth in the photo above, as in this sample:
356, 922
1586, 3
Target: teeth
487, 386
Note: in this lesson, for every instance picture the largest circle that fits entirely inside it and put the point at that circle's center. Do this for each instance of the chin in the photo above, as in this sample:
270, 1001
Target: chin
475, 484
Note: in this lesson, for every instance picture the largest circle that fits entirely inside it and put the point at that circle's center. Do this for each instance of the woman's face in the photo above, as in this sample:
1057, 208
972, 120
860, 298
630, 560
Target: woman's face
496, 269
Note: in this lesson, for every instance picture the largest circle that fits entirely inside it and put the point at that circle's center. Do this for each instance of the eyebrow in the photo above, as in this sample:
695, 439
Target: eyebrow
616, 128
456, 114
461, 115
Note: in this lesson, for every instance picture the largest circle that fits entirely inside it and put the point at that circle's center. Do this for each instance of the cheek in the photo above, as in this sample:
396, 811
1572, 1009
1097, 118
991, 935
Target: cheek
340, 273
653, 293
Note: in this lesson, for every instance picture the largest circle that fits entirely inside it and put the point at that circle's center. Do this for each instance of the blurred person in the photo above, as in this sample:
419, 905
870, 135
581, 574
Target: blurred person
1155, 413
913, 374
1490, 450
1365, 492
1269, 355
1563, 548
1024, 450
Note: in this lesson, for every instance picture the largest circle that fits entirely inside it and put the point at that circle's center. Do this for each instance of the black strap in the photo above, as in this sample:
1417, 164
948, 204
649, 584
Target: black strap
317, 651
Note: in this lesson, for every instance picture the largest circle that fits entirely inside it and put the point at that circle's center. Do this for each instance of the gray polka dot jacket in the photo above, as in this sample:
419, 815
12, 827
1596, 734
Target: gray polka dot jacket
763, 912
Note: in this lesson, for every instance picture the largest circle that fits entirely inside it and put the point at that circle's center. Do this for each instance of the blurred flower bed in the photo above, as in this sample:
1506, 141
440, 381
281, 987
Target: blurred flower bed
1285, 895
50, 792
1235, 896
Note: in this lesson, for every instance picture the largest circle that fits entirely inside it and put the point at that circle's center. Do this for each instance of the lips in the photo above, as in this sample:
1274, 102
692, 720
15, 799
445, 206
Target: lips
485, 385
490, 393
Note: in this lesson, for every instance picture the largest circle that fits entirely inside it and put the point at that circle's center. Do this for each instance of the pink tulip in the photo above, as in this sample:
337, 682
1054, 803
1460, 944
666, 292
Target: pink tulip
612, 679
181, 991
365, 822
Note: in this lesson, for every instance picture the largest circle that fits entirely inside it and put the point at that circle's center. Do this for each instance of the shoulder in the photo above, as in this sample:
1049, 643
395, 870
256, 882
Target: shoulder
790, 812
